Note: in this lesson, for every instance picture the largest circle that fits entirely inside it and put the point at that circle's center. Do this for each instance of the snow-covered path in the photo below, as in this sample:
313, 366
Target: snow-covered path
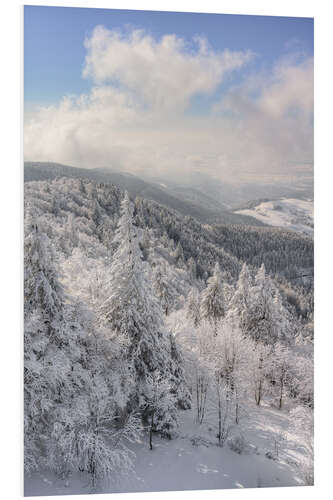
194, 461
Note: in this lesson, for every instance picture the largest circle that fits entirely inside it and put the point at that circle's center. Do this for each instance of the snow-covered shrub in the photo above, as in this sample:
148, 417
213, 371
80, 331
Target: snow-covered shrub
158, 405
237, 444
103, 450
100, 459
200, 441
270, 455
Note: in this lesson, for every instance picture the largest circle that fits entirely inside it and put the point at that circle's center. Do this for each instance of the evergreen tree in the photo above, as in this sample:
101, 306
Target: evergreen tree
42, 289
240, 301
179, 255
212, 306
71, 232
266, 319
161, 287
192, 267
179, 386
193, 306
48, 342
131, 311
74, 379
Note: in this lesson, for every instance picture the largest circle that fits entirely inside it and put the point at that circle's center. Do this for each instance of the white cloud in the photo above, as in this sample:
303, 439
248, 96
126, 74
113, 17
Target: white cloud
164, 74
290, 89
134, 119
273, 117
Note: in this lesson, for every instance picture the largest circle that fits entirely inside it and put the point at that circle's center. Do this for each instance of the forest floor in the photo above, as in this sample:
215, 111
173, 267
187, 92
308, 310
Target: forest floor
193, 461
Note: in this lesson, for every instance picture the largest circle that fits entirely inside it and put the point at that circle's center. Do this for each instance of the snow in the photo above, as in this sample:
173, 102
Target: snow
193, 461
288, 213
70, 425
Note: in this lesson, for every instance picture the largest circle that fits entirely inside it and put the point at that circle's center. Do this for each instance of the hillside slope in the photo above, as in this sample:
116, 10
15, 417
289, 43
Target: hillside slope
189, 202
195, 462
75, 207
288, 213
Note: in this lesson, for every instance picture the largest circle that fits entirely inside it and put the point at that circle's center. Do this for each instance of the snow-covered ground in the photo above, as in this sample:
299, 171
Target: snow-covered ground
288, 213
194, 461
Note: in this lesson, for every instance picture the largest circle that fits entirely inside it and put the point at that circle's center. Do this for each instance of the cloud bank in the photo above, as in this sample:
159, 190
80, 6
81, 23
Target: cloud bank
164, 74
140, 114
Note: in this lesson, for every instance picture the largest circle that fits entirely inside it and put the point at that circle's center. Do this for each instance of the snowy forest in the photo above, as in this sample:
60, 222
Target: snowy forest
152, 338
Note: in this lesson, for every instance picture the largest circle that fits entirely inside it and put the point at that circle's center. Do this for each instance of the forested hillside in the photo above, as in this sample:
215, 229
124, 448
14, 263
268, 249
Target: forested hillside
186, 201
135, 314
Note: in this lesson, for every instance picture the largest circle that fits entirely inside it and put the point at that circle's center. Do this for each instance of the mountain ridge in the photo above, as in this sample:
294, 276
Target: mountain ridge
35, 171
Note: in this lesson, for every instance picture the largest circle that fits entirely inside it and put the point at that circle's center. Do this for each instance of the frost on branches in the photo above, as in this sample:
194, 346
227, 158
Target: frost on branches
133, 313
126, 326
70, 395
213, 303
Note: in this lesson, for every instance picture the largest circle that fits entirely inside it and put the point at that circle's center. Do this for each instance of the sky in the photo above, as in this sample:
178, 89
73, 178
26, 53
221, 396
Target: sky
160, 93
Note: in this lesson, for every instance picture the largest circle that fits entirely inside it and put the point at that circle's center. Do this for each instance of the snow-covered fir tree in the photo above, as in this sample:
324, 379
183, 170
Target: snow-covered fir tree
212, 305
178, 379
161, 287
193, 306
266, 319
132, 311
179, 255
72, 377
49, 345
192, 268
240, 301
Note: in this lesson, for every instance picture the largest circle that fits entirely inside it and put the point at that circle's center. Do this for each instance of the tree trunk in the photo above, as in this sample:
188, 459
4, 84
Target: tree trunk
201, 389
220, 419
151, 432
203, 403
237, 407
281, 394
258, 394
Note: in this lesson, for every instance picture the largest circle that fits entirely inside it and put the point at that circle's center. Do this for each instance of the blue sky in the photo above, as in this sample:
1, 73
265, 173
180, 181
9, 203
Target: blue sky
170, 93
54, 40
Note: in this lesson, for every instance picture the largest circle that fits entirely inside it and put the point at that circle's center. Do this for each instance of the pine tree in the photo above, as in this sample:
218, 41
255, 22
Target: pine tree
192, 267
131, 311
42, 289
71, 232
179, 255
193, 306
74, 379
161, 287
179, 386
267, 320
212, 306
240, 301
47, 342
